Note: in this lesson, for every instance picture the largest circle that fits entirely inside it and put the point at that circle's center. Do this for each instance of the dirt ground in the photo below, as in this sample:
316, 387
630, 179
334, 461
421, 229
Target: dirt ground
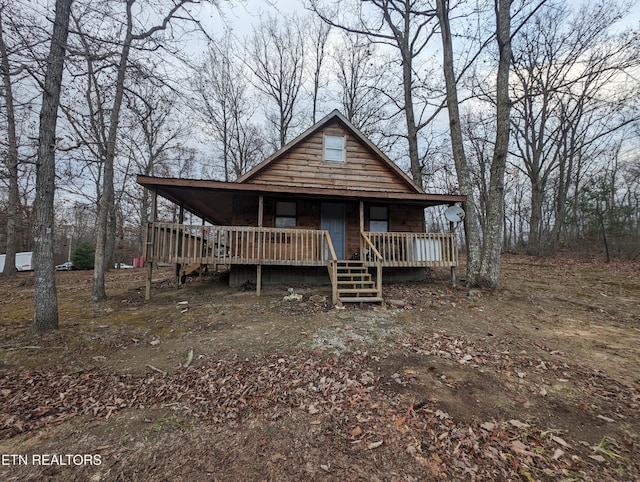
538, 380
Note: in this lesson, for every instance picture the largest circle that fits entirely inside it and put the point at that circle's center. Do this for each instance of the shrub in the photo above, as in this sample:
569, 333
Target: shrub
83, 256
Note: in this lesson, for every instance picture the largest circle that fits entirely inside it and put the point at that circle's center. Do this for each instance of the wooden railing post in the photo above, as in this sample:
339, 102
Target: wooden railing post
148, 258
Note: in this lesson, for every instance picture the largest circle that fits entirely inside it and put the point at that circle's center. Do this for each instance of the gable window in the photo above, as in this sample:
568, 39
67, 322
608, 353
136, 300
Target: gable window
334, 148
285, 214
379, 219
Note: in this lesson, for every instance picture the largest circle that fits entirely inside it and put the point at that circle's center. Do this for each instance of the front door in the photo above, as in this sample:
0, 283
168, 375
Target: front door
332, 219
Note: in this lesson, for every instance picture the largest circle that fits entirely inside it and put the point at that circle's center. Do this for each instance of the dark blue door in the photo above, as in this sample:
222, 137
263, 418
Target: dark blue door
332, 219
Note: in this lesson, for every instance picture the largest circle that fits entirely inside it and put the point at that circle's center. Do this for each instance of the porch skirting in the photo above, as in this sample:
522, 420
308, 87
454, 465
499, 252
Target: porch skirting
279, 275
291, 276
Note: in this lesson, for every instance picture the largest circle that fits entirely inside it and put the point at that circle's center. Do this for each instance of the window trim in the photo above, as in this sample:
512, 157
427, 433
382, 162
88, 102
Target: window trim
379, 219
288, 216
326, 149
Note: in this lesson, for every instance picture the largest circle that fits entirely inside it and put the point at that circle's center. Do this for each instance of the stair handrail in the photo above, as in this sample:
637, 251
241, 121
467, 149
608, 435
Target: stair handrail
332, 267
378, 256
332, 251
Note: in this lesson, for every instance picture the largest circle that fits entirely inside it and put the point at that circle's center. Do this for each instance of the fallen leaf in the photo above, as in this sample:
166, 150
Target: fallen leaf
442, 415
401, 421
466, 359
597, 458
278, 457
488, 426
557, 454
355, 432
375, 445
518, 424
520, 448
560, 441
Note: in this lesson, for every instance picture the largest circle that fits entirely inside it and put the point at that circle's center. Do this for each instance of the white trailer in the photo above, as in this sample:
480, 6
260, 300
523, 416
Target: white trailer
23, 261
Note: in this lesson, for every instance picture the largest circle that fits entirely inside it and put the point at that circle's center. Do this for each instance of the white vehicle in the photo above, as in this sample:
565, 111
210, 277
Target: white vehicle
66, 266
123, 266
23, 261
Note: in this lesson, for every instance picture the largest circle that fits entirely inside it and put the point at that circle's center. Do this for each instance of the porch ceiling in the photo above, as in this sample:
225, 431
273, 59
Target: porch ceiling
212, 200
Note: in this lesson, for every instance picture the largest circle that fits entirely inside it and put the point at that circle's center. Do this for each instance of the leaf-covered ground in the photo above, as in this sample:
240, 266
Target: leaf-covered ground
535, 381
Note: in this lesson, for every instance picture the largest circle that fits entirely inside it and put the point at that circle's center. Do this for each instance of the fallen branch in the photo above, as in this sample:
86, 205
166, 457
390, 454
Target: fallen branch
156, 369
21, 348
189, 358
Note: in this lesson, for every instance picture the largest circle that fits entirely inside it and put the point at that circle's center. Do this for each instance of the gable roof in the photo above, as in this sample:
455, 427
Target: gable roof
398, 174
213, 200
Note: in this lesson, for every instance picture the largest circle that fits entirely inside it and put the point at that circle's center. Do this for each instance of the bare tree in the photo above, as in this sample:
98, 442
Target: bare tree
153, 140
361, 80
564, 65
276, 56
24, 36
483, 252
408, 26
12, 151
223, 104
319, 34
132, 36
45, 297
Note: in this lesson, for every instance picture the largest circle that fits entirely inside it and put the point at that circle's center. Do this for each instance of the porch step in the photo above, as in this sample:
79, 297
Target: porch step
354, 283
358, 291
352, 270
354, 279
370, 299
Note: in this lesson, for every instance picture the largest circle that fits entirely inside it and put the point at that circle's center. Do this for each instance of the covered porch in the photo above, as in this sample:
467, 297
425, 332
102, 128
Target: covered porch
349, 234
223, 246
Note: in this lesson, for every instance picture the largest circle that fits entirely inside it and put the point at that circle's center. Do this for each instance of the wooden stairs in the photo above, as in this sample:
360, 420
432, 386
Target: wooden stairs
353, 283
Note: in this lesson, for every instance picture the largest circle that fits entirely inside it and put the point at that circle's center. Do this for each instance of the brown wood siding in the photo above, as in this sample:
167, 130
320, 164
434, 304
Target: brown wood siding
403, 219
406, 219
303, 166
245, 211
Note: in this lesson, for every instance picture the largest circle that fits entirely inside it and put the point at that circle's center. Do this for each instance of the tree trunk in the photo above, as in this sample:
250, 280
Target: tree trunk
490, 268
483, 256
412, 129
12, 164
534, 244
471, 222
45, 298
111, 239
108, 194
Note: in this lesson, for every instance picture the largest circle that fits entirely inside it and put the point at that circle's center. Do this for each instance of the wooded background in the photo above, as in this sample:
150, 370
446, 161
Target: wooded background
169, 89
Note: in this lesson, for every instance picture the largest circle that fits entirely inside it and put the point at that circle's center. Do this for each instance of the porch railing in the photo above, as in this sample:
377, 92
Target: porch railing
226, 245
413, 249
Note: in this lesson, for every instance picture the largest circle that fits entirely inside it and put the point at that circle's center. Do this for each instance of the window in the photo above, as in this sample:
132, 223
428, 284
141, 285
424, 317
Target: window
285, 214
334, 148
379, 219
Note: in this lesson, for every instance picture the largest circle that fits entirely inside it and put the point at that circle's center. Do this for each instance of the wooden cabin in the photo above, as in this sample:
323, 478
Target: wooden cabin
329, 207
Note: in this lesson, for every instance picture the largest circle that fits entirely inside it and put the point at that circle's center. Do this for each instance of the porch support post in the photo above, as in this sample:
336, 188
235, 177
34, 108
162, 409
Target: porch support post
453, 246
179, 245
259, 266
150, 245
201, 251
361, 248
